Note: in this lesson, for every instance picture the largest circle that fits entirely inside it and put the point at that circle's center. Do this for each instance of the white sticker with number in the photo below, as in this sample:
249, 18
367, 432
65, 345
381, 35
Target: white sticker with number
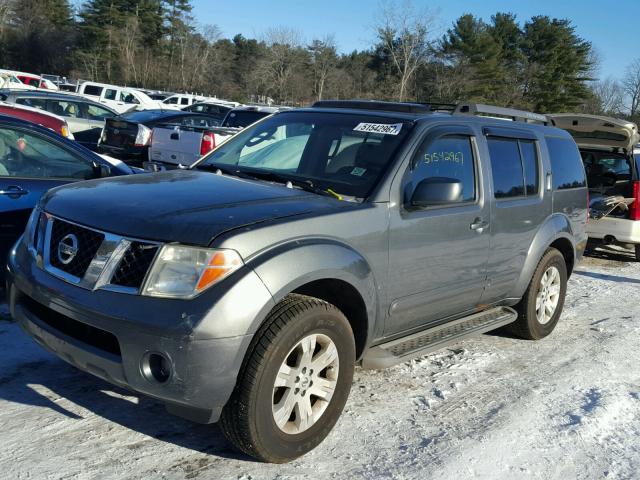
383, 128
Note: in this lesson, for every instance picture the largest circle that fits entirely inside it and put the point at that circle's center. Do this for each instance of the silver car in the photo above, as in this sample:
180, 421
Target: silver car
85, 117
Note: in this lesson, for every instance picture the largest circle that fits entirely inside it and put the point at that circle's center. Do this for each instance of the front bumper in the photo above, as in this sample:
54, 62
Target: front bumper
111, 336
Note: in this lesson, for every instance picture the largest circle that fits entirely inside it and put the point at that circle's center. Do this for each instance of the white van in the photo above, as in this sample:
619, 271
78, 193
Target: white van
613, 175
120, 99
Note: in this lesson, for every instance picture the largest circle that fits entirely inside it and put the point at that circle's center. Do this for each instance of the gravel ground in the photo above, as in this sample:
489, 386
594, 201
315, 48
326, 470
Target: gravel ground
491, 407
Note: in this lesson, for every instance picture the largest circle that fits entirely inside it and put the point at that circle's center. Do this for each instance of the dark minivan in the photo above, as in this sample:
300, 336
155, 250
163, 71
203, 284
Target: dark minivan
248, 287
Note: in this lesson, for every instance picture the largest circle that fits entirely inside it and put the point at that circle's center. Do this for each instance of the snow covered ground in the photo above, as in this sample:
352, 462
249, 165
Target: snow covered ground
492, 407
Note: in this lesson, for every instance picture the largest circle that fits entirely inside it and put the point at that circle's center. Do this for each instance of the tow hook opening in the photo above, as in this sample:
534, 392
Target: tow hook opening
609, 240
156, 367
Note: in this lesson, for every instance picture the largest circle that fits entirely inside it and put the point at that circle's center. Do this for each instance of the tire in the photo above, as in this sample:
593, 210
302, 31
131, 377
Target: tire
249, 419
528, 325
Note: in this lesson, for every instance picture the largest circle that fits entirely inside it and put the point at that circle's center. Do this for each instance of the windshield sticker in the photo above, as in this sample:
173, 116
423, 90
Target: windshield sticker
433, 157
383, 128
358, 171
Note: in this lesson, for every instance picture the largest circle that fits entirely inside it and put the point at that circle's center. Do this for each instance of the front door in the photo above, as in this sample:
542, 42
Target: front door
30, 164
438, 254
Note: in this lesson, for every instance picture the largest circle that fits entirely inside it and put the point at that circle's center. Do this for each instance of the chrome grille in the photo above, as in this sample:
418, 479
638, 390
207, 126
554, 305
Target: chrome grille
92, 259
134, 265
88, 243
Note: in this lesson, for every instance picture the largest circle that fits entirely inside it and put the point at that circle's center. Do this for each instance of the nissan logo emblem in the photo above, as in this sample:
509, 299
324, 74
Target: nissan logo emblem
67, 249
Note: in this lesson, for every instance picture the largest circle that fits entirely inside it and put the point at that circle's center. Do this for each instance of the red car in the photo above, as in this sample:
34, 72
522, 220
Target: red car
40, 117
32, 80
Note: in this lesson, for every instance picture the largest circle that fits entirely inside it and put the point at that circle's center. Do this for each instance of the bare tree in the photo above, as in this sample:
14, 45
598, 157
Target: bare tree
610, 96
404, 33
631, 87
274, 74
323, 59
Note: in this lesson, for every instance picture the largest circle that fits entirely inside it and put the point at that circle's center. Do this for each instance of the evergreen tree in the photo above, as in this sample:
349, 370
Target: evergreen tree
558, 63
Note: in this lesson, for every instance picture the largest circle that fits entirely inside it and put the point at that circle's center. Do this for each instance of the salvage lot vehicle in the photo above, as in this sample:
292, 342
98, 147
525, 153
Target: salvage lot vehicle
613, 175
211, 108
85, 117
34, 159
128, 136
183, 145
39, 117
118, 98
247, 289
245, 115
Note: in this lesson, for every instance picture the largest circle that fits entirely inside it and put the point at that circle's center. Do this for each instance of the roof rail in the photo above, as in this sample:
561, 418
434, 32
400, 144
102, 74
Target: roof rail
400, 107
500, 112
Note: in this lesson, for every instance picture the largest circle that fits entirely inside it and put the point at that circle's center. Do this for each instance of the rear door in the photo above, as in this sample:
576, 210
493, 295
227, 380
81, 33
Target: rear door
520, 205
31, 164
438, 254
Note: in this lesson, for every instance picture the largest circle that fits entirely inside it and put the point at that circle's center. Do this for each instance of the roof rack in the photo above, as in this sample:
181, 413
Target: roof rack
500, 112
400, 107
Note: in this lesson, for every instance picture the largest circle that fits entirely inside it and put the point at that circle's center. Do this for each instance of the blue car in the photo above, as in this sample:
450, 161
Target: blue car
34, 159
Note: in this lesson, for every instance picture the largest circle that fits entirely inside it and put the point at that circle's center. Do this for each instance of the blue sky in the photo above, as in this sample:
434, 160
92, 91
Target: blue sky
611, 26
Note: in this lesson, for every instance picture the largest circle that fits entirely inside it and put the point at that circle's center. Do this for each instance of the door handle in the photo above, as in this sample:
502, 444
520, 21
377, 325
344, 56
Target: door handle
479, 225
13, 190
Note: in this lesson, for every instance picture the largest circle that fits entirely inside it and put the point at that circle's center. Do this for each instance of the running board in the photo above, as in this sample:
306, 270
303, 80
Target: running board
426, 341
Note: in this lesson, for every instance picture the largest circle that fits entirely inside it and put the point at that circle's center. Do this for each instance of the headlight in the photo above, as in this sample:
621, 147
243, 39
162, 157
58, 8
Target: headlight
183, 272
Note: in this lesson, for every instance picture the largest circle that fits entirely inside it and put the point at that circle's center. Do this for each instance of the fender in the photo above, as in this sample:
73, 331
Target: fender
555, 227
294, 264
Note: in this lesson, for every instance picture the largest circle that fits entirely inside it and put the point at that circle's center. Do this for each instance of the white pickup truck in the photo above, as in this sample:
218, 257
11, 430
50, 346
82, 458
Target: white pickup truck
183, 145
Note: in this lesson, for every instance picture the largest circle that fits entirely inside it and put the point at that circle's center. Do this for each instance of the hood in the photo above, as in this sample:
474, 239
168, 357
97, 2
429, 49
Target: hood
598, 132
190, 207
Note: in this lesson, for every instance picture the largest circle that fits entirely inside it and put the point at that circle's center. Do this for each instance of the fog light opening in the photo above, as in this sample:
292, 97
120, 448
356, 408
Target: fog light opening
156, 368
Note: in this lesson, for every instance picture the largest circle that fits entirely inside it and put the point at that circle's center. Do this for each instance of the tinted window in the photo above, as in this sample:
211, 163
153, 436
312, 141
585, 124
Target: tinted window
243, 118
92, 90
30, 156
184, 101
566, 163
530, 163
64, 108
506, 167
95, 112
448, 157
171, 100
127, 97
40, 103
110, 94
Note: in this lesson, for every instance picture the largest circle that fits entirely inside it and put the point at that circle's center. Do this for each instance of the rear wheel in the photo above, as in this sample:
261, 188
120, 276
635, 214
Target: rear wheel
294, 382
540, 308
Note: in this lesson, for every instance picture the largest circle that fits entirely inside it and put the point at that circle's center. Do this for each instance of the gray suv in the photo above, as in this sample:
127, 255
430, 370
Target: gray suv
245, 289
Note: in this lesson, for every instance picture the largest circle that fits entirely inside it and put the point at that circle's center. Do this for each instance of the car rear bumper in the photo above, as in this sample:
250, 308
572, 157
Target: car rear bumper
620, 229
201, 372
123, 152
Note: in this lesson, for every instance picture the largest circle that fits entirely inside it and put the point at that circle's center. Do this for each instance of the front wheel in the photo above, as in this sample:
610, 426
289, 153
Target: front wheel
294, 382
541, 306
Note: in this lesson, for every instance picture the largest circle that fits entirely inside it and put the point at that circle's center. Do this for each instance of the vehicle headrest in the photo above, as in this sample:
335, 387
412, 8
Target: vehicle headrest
370, 155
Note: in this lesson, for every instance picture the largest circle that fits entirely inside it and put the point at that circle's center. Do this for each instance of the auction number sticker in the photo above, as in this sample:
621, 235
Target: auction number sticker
383, 128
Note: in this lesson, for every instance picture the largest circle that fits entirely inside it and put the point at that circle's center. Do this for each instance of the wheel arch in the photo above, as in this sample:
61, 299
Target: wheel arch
332, 272
557, 233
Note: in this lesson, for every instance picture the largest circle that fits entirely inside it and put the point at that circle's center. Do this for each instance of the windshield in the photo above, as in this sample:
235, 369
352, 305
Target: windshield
344, 153
243, 118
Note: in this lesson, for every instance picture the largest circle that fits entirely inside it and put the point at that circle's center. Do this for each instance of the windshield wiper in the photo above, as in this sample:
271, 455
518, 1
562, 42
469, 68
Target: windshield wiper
306, 185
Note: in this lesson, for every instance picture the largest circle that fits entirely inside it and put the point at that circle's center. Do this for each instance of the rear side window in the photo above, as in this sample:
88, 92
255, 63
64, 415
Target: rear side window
111, 94
514, 166
40, 103
506, 167
566, 163
92, 90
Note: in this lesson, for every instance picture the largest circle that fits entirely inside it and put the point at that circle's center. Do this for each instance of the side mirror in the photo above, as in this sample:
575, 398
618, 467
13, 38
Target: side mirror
101, 171
437, 191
